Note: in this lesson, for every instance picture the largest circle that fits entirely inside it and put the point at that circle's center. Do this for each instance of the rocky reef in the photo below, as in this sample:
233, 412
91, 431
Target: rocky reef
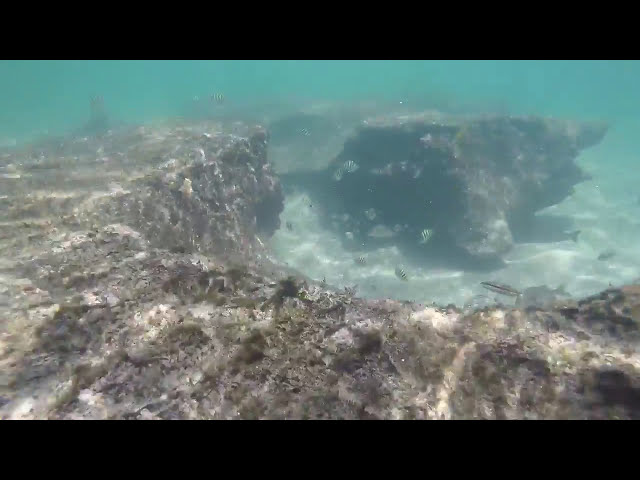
121, 298
187, 187
143, 333
473, 180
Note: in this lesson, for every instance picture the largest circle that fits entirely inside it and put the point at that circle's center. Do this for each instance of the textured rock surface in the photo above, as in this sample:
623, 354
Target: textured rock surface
144, 333
469, 178
101, 320
195, 188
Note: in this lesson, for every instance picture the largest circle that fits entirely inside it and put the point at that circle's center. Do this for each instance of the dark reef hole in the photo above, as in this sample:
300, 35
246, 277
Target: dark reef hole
418, 193
267, 212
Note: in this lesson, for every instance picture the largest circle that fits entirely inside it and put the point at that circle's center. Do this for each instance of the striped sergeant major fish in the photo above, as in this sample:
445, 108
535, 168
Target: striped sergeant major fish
348, 167
401, 274
426, 235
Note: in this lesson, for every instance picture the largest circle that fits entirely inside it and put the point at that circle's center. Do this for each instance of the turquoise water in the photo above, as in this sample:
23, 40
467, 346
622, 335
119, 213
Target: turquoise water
52, 96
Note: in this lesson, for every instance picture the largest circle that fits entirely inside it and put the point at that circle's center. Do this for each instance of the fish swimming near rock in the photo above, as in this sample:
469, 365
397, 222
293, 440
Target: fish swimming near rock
606, 255
289, 226
401, 274
501, 289
370, 214
540, 296
573, 235
425, 235
348, 167
187, 189
351, 291
381, 231
217, 97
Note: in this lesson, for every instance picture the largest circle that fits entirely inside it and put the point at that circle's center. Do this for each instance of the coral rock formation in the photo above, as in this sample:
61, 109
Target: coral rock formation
469, 178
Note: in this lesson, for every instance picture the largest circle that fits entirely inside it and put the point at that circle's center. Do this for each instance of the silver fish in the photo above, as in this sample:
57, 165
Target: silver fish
401, 274
606, 255
540, 296
350, 166
351, 291
370, 214
573, 235
361, 260
381, 231
304, 132
426, 235
501, 289
338, 174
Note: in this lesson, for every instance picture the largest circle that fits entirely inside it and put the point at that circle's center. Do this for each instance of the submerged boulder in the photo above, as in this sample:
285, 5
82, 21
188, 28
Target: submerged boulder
208, 192
467, 178
187, 187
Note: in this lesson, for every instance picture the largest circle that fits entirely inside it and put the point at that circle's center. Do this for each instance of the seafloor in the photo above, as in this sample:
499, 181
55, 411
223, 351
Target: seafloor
136, 282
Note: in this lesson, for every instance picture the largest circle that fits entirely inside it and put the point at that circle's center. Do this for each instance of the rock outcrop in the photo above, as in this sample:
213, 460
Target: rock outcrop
470, 179
186, 187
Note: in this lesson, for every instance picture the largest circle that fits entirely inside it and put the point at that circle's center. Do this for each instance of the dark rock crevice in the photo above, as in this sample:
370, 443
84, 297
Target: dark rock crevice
475, 181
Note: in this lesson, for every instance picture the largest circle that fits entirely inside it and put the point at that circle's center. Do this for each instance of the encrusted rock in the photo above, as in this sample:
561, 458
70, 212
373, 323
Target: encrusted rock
471, 179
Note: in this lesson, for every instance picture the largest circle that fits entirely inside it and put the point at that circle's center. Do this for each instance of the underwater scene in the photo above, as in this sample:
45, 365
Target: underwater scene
314, 239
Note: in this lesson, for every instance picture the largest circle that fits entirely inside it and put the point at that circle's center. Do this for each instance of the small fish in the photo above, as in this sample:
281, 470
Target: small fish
186, 189
350, 166
501, 289
304, 132
370, 214
351, 291
540, 296
361, 260
217, 97
573, 235
425, 235
289, 226
381, 231
96, 102
606, 255
401, 274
